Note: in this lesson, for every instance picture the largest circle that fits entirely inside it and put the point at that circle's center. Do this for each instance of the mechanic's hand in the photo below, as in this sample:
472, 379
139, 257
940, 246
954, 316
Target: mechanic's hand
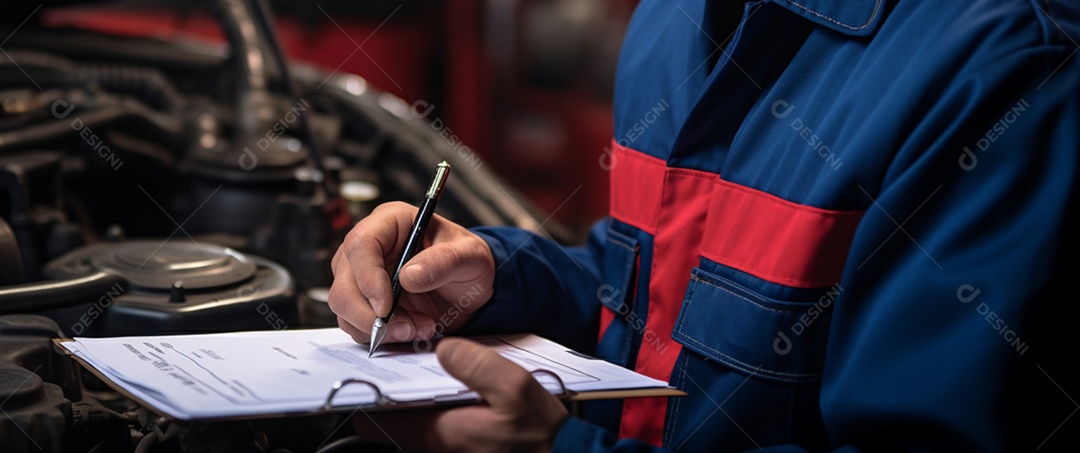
519, 414
449, 278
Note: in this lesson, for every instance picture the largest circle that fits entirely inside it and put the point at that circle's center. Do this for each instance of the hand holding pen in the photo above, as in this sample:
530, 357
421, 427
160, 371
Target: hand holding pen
448, 277
412, 245
440, 287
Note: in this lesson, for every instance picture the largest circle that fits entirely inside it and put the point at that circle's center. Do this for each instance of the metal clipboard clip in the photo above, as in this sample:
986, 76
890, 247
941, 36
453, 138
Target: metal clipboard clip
382, 400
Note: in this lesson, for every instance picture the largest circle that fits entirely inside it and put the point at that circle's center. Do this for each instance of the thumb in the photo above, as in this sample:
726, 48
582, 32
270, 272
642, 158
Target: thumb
445, 262
500, 382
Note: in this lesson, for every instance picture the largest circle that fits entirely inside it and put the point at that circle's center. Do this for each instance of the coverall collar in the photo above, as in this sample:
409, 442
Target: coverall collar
851, 17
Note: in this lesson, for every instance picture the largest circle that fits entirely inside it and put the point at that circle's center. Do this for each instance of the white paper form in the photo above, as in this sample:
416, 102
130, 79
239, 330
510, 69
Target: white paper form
255, 373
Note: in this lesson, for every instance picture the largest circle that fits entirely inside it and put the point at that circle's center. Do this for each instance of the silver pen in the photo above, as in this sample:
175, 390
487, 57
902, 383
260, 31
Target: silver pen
416, 236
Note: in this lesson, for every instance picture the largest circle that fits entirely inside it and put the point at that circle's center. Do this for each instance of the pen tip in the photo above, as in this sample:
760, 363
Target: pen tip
444, 164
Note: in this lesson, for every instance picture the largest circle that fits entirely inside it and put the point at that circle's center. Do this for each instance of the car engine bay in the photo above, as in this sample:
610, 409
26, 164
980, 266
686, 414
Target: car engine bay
151, 187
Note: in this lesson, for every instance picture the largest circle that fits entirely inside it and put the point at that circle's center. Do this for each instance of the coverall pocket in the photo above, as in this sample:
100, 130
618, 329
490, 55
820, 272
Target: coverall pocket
616, 292
770, 339
620, 257
757, 358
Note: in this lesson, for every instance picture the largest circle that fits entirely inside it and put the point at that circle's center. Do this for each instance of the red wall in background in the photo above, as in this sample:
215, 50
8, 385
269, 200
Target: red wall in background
546, 141
396, 57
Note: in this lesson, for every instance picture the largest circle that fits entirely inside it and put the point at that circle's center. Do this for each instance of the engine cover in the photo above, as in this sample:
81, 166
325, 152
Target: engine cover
175, 287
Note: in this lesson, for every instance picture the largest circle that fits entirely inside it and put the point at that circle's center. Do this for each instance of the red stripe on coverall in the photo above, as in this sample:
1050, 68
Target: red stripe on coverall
693, 213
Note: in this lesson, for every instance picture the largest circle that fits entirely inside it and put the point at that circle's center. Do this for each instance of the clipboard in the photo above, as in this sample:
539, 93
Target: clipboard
381, 402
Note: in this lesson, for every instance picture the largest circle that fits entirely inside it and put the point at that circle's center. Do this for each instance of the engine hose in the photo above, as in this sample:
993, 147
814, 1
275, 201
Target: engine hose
266, 24
32, 297
146, 84
166, 127
254, 110
47, 70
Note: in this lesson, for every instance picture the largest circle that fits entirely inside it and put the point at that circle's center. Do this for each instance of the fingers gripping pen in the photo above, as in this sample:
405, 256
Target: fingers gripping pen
412, 245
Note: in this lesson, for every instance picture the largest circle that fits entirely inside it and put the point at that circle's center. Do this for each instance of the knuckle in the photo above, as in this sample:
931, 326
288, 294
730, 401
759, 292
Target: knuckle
358, 229
452, 256
349, 244
476, 245
370, 280
334, 300
339, 263
382, 208
455, 252
390, 209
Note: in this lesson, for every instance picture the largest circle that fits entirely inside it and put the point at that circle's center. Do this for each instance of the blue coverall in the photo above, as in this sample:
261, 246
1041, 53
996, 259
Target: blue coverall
835, 224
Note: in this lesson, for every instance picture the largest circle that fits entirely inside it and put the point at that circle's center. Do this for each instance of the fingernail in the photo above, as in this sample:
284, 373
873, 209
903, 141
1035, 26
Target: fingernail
419, 274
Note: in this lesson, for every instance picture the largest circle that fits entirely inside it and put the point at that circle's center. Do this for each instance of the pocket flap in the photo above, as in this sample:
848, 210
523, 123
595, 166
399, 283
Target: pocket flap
760, 336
